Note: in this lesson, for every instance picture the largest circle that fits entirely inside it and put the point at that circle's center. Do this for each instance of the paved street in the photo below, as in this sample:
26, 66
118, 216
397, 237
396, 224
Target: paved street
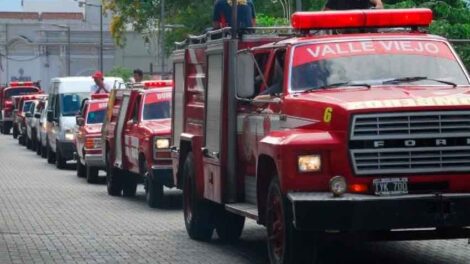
51, 216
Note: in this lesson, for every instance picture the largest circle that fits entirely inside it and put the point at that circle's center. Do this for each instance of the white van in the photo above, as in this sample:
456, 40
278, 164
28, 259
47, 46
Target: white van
65, 98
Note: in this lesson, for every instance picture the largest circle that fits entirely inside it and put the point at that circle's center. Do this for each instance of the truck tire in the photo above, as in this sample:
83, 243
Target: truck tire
154, 194
81, 169
60, 162
29, 143
113, 177
129, 187
21, 140
229, 226
15, 132
91, 174
286, 245
38, 147
50, 154
43, 152
5, 129
197, 212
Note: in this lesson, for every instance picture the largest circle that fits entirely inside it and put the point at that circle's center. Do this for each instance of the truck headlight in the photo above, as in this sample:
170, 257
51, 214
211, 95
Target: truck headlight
162, 143
69, 135
309, 163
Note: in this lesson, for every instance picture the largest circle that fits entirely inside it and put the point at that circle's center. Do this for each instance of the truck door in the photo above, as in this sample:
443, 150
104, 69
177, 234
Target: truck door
131, 136
255, 122
120, 123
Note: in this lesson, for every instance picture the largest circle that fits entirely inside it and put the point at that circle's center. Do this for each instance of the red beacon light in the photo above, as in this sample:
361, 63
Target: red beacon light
377, 18
158, 84
16, 84
100, 96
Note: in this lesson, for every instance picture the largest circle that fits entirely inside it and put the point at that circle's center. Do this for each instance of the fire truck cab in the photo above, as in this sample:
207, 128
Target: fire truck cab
88, 137
6, 104
362, 133
137, 140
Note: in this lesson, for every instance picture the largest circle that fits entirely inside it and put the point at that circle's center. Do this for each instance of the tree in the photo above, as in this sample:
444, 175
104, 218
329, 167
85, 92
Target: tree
451, 17
122, 72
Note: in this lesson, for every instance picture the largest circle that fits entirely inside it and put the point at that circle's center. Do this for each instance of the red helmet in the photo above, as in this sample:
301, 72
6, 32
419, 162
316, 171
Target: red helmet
97, 75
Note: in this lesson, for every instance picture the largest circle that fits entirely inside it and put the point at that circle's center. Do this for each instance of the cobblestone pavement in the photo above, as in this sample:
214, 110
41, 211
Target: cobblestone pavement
51, 216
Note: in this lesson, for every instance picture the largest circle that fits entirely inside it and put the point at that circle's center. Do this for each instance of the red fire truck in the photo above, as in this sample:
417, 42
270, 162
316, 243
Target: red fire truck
356, 125
22, 105
88, 137
6, 104
137, 140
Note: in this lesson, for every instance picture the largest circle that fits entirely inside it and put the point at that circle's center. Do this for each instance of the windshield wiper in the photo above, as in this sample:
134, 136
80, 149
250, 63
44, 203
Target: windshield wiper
417, 78
336, 85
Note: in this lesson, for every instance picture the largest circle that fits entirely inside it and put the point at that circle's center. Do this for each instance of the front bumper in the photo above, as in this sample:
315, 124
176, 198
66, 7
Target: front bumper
164, 174
355, 212
66, 148
94, 160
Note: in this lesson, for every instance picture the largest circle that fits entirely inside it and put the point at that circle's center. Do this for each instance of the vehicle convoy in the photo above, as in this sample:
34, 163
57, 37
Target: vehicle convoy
88, 137
366, 135
21, 113
6, 103
65, 97
137, 138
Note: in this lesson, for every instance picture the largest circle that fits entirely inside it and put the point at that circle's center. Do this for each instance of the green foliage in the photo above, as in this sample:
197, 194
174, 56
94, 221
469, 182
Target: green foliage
451, 17
119, 71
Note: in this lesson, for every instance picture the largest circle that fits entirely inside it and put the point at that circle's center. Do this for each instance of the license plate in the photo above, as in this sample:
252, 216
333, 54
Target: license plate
390, 186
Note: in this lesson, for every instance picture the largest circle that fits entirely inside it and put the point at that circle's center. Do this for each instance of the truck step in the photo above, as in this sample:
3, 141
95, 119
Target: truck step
244, 209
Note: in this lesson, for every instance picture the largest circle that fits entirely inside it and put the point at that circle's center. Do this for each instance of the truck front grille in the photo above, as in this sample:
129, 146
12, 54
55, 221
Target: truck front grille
410, 142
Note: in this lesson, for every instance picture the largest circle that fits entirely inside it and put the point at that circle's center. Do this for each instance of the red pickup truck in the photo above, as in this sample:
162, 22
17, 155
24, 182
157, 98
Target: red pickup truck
88, 137
6, 104
136, 139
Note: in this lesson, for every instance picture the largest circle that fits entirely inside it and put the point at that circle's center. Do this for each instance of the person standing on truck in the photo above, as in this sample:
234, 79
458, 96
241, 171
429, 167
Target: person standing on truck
99, 86
138, 75
222, 15
352, 4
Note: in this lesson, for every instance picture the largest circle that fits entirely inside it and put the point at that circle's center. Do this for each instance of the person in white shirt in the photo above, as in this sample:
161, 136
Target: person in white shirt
99, 86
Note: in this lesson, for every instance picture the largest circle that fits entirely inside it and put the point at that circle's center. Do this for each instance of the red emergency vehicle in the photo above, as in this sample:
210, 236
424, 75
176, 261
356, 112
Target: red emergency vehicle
322, 135
88, 137
137, 140
6, 104
22, 105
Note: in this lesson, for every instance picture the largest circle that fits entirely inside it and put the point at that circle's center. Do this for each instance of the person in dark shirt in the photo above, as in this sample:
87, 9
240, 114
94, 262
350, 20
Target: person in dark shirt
222, 16
352, 4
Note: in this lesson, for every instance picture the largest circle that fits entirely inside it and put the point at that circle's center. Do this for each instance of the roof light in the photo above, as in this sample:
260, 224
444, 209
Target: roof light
16, 84
158, 84
416, 17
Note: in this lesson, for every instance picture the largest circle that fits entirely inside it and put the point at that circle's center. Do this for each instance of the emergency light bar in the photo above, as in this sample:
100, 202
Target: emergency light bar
16, 84
158, 84
416, 17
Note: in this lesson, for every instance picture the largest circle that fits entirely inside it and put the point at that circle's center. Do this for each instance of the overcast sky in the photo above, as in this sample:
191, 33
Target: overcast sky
10, 5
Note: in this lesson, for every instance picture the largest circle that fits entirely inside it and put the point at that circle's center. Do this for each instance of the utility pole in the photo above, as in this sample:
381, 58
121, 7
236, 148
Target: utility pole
68, 50
298, 5
162, 35
101, 38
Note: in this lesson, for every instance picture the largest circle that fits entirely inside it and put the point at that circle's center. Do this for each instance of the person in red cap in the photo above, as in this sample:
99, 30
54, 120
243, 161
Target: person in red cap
99, 86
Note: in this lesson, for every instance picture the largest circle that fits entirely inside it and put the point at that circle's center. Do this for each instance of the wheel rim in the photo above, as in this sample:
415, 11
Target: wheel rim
275, 227
187, 194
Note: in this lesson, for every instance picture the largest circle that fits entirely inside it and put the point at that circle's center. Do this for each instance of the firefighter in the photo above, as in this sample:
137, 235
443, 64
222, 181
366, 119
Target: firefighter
352, 4
99, 86
138, 75
222, 15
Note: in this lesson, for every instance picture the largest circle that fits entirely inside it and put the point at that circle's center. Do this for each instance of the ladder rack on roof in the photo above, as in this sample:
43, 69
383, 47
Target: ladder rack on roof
226, 33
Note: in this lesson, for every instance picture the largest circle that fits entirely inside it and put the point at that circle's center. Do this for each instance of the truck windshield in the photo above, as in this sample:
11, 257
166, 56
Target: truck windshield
96, 117
27, 106
19, 91
70, 103
373, 62
157, 106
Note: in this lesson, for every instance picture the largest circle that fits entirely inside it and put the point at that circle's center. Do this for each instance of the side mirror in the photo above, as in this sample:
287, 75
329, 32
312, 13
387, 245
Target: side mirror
28, 114
37, 115
50, 116
80, 120
245, 76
